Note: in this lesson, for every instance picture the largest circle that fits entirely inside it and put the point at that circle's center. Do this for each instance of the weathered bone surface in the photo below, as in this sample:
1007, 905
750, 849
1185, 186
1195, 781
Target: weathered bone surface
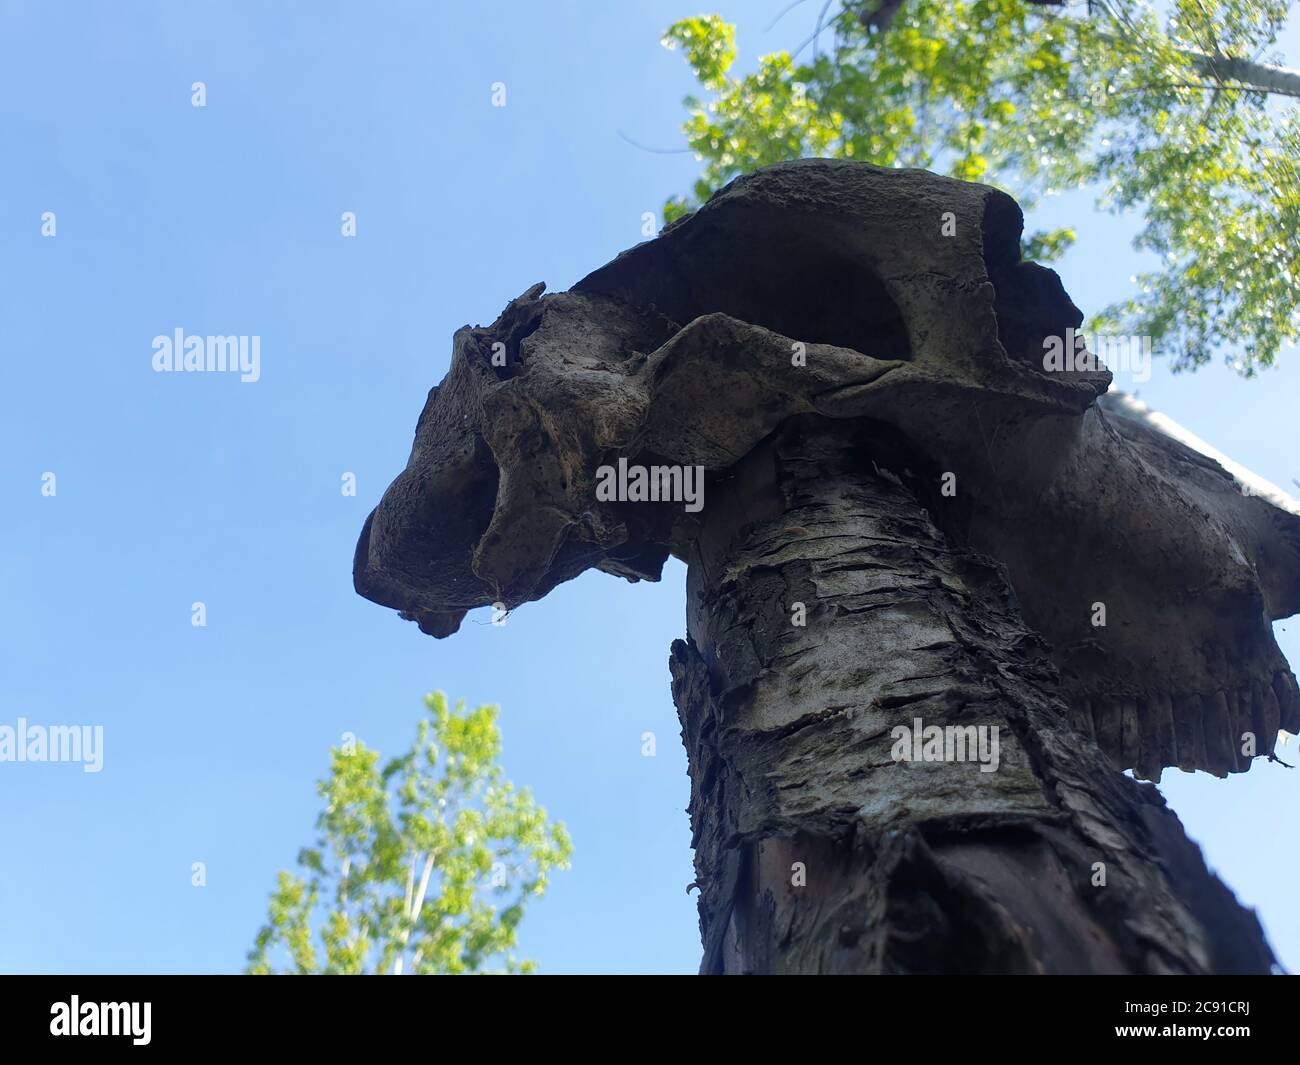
681, 351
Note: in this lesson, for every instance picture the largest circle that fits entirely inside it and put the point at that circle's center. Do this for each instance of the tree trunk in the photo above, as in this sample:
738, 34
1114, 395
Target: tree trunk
817, 850
1263, 77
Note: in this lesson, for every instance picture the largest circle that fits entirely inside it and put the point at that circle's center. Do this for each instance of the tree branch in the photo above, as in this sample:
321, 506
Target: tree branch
1262, 77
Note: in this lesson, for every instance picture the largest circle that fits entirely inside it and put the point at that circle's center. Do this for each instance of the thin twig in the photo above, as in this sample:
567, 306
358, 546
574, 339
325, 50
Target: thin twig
656, 151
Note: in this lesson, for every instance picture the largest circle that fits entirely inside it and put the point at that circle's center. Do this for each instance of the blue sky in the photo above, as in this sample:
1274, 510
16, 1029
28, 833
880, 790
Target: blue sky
176, 488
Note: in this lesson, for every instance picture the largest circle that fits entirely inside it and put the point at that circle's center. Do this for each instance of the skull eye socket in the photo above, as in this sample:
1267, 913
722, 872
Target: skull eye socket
803, 293
808, 282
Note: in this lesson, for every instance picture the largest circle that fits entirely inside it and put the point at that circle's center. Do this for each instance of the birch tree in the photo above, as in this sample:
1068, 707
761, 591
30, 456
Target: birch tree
422, 866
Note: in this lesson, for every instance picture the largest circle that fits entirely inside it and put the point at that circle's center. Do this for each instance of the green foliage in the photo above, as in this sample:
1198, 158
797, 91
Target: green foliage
423, 866
1157, 114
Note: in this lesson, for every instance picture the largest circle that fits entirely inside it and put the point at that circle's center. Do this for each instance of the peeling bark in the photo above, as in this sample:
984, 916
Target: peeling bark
910, 867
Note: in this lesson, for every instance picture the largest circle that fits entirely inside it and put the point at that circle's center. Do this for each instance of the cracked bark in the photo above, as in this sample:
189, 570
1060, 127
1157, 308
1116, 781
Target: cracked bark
907, 868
